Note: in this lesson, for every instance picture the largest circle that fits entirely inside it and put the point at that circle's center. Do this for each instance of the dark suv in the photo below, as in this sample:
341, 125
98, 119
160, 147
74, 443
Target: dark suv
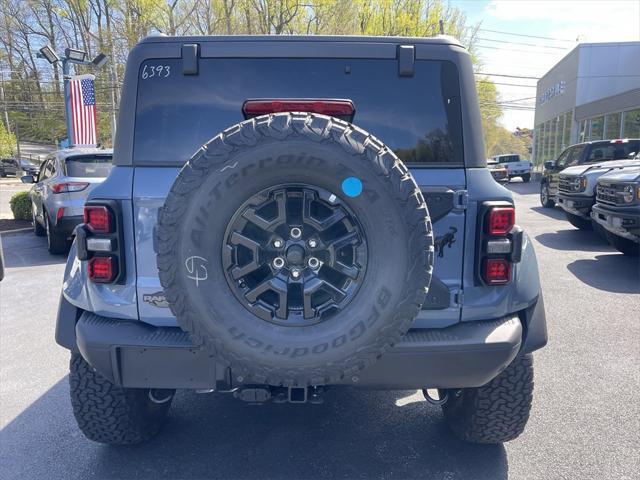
580, 154
11, 166
291, 214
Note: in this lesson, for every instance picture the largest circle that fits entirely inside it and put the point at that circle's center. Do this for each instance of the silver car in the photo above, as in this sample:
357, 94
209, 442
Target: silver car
66, 177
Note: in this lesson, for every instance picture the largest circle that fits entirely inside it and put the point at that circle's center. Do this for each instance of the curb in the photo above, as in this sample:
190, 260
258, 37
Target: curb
16, 230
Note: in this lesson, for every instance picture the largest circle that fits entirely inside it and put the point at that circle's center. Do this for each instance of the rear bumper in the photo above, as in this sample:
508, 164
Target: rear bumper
66, 225
575, 204
624, 223
135, 354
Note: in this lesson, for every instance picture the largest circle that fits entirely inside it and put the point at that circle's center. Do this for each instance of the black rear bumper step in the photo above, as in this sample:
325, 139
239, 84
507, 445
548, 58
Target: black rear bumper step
136, 354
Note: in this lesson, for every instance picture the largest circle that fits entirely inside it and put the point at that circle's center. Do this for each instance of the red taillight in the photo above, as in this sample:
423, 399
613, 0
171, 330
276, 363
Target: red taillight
69, 187
98, 218
335, 108
496, 271
102, 269
500, 220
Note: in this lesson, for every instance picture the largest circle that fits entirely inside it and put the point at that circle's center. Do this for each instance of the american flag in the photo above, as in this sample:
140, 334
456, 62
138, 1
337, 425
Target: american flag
83, 110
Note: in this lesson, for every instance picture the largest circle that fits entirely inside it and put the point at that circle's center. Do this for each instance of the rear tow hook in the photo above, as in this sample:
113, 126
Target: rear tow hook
435, 396
160, 395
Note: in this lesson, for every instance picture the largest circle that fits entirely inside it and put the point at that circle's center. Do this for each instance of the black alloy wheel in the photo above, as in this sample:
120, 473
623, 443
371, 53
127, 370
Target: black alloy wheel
294, 255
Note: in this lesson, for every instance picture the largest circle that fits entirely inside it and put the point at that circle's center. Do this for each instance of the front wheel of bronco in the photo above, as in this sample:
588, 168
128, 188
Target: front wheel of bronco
110, 414
579, 222
496, 412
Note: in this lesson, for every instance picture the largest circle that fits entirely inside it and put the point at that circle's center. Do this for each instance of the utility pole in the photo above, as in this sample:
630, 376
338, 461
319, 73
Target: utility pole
113, 81
4, 104
19, 155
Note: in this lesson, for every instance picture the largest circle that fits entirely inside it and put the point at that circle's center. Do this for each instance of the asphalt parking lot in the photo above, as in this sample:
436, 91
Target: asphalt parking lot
585, 422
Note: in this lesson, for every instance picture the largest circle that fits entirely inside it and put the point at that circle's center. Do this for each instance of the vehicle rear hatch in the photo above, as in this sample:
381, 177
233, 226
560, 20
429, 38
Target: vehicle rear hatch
414, 107
83, 173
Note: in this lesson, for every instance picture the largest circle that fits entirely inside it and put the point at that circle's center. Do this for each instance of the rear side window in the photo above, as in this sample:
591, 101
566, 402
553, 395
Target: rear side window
613, 151
94, 166
418, 117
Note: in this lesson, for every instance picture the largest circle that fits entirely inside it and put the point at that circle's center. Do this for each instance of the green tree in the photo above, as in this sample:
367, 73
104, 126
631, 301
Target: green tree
33, 87
7, 142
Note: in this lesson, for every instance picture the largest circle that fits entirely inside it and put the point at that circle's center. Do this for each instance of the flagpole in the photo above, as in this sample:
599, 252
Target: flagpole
67, 99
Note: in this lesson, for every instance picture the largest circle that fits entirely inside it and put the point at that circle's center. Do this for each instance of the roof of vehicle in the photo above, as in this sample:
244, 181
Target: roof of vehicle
435, 40
595, 167
614, 141
78, 151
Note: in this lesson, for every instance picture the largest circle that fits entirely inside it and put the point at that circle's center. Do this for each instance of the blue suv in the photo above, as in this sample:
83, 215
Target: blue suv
291, 214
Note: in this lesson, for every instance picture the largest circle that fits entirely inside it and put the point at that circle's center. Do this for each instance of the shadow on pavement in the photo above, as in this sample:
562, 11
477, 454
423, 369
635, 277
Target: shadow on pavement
354, 434
522, 188
555, 213
574, 239
26, 250
614, 273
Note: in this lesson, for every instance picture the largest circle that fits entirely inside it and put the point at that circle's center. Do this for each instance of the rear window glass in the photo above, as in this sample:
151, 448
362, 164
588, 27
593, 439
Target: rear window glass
509, 158
418, 116
615, 151
90, 166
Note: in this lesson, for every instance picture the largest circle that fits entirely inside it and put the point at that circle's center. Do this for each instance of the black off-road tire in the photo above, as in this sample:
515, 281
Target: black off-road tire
545, 199
599, 230
579, 222
38, 230
110, 414
623, 245
496, 412
56, 243
526, 178
296, 148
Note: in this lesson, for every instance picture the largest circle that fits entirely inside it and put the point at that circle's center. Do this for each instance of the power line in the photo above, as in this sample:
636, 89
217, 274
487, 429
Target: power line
520, 43
506, 84
523, 35
516, 50
505, 75
518, 99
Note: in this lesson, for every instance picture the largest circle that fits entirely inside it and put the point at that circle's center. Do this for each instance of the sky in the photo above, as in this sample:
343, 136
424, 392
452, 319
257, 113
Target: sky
564, 23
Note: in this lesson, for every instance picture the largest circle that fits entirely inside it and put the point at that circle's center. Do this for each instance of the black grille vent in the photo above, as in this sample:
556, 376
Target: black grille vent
606, 192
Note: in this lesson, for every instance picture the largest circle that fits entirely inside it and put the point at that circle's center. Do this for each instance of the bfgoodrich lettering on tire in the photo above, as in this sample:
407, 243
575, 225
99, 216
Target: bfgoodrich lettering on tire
296, 247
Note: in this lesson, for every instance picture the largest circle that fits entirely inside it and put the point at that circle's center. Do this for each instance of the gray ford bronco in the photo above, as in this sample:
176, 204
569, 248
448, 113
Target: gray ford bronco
291, 214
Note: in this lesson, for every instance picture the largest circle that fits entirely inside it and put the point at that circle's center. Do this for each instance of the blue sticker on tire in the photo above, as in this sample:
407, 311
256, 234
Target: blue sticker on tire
352, 187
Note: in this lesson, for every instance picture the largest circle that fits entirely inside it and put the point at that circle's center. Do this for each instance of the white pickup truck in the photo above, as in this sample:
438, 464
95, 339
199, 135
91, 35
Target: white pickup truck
514, 165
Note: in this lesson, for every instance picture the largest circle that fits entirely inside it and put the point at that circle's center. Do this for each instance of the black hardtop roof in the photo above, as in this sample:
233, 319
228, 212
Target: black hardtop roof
436, 40
607, 142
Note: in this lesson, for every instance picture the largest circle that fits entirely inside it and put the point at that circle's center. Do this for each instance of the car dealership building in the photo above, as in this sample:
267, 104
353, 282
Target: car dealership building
591, 94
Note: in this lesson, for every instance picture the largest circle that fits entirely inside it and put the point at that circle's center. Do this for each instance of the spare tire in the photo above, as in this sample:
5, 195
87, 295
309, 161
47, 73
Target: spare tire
296, 248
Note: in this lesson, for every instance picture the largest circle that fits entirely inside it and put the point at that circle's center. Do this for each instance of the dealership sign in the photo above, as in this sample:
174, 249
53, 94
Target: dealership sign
552, 92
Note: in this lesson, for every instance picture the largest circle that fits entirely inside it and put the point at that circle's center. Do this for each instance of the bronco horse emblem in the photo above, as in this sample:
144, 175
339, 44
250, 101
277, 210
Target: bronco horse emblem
445, 240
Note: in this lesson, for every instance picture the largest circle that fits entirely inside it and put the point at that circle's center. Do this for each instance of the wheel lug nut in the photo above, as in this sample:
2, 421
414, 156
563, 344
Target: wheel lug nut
295, 273
278, 262
313, 262
296, 233
277, 243
313, 243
